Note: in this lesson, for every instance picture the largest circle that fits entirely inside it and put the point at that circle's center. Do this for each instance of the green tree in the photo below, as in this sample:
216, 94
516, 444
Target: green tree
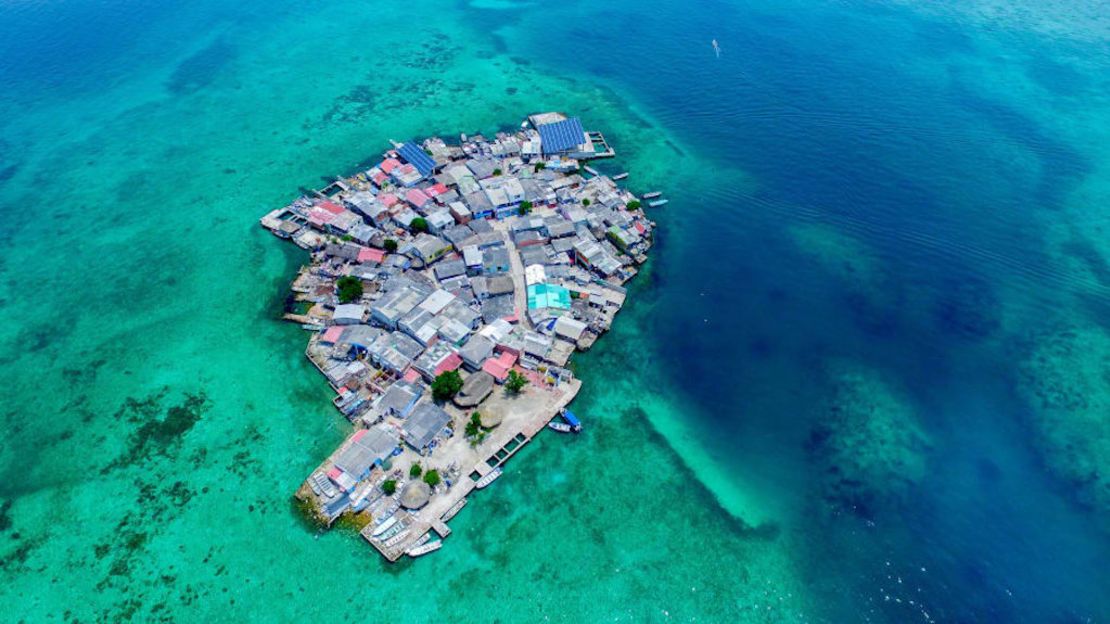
447, 385
349, 288
516, 382
525, 208
633, 205
540, 166
415, 470
586, 202
432, 478
389, 486
474, 426
419, 224
390, 245
496, 172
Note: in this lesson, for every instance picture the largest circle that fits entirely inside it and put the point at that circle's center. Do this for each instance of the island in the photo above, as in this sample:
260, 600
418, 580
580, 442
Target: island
449, 285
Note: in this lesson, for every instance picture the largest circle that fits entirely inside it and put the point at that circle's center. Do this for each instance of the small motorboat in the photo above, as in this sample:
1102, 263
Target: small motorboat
560, 427
425, 548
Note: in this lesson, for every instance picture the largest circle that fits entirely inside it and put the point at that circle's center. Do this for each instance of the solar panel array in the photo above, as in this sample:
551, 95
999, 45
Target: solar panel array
561, 136
417, 157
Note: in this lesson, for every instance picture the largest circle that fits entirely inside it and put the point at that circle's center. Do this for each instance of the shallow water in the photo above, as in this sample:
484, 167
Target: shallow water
875, 209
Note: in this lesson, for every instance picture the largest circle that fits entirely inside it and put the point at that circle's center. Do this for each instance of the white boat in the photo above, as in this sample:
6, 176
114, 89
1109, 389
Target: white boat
489, 478
450, 513
560, 427
620, 176
659, 202
426, 548
652, 195
385, 526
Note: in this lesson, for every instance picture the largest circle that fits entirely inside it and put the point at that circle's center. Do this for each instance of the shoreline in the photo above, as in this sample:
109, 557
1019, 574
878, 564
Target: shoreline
448, 287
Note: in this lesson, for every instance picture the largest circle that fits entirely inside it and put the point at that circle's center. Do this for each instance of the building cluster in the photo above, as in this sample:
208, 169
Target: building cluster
483, 257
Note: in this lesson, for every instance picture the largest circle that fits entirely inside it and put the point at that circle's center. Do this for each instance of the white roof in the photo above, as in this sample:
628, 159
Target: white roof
568, 327
534, 274
437, 301
349, 311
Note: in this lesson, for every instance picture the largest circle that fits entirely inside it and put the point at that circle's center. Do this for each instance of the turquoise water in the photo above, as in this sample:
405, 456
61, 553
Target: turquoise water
862, 379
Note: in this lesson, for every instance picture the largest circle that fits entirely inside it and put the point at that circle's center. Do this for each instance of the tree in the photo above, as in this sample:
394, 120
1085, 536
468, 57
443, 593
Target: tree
586, 202
418, 225
633, 205
474, 426
415, 470
496, 172
432, 478
516, 382
525, 208
540, 166
390, 245
447, 385
349, 288
389, 486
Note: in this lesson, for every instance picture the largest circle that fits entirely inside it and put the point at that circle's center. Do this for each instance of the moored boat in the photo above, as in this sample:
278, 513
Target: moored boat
488, 479
385, 526
560, 427
652, 195
425, 548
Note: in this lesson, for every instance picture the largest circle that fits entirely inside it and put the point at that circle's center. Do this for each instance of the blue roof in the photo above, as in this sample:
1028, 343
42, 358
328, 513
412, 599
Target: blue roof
561, 136
417, 157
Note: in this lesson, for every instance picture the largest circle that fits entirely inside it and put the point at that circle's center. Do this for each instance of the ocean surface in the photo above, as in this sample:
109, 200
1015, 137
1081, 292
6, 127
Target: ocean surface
865, 376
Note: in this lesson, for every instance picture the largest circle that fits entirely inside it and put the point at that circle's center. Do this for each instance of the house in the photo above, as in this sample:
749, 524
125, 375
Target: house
429, 248
423, 425
495, 261
364, 449
399, 399
452, 268
475, 351
472, 257
500, 366
436, 360
349, 314
548, 296
500, 307
418, 158
439, 220
528, 238
460, 212
396, 303
394, 352
569, 329
565, 138
420, 325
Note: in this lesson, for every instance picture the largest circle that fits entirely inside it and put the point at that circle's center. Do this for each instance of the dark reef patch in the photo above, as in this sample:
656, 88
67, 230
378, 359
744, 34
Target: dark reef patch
202, 68
968, 308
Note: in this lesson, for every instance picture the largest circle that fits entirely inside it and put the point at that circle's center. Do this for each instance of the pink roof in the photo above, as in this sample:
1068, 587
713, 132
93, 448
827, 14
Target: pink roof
332, 334
449, 363
389, 164
321, 215
378, 177
439, 188
371, 255
417, 197
388, 199
331, 207
499, 366
334, 473
411, 374
640, 227
358, 434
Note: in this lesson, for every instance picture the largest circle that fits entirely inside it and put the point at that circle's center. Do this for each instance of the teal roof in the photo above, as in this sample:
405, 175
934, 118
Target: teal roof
548, 296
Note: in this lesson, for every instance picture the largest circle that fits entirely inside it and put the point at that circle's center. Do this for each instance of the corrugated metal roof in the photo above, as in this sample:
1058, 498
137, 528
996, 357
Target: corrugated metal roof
416, 157
562, 135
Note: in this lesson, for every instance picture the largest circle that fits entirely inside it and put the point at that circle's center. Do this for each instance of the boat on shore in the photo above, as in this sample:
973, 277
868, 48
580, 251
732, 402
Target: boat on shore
425, 548
488, 479
385, 526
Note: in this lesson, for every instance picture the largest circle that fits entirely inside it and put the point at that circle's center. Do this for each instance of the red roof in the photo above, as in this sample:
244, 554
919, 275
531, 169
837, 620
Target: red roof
334, 473
389, 164
371, 255
358, 434
640, 227
332, 334
411, 374
378, 177
439, 188
449, 363
499, 367
320, 215
331, 207
388, 199
417, 197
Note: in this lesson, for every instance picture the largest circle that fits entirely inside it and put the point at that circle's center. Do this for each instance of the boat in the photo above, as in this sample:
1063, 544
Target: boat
489, 478
560, 427
572, 420
425, 548
659, 202
591, 170
450, 513
385, 526
620, 176
652, 195
313, 327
